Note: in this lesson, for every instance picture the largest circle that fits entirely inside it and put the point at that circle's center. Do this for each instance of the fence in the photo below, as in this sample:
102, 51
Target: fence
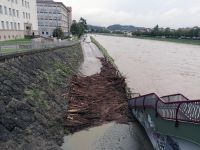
13, 47
173, 107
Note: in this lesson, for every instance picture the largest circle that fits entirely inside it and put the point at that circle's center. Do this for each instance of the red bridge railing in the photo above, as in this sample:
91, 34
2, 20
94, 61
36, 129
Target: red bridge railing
175, 107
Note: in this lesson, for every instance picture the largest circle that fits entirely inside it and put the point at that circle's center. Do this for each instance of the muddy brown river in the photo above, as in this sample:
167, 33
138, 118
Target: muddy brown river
156, 66
150, 66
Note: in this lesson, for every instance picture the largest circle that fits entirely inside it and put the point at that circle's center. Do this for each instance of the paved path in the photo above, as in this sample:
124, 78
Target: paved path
91, 64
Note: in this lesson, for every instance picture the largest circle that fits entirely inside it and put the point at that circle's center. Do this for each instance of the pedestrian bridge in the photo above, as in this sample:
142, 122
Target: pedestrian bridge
173, 115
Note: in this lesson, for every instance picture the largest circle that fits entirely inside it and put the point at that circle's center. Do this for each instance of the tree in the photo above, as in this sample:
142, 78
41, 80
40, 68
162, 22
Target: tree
58, 32
84, 23
155, 31
79, 28
167, 32
74, 28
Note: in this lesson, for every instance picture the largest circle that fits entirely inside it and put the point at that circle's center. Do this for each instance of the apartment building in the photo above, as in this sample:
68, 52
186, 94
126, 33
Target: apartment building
52, 15
17, 18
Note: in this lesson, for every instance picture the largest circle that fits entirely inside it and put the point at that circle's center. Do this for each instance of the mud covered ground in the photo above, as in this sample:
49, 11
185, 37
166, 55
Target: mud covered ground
97, 99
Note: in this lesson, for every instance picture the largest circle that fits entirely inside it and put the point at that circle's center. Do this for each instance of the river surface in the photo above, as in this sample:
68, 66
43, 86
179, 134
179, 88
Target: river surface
156, 66
111, 136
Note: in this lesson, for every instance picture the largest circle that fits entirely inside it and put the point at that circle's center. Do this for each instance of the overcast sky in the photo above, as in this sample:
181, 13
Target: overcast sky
145, 13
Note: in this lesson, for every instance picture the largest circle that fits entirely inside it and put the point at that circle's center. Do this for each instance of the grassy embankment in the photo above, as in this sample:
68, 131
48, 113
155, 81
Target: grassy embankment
9, 46
111, 60
14, 42
183, 41
174, 40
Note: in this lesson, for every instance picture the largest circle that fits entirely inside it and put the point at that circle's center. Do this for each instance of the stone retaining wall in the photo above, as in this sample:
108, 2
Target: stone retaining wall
32, 98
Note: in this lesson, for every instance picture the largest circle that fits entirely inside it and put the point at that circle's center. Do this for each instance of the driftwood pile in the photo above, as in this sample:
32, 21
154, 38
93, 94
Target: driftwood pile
97, 99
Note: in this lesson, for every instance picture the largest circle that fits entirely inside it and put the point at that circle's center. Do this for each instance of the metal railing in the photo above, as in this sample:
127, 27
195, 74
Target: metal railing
175, 107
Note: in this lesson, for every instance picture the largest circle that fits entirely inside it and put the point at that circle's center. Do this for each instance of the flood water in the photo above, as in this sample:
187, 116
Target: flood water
156, 66
111, 136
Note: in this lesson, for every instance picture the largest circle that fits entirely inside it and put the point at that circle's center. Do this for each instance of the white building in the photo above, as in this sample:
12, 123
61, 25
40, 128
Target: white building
52, 15
17, 18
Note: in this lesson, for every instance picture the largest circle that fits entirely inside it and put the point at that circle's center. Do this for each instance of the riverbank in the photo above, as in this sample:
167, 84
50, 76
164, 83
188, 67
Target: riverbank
97, 99
173, 40
32, 106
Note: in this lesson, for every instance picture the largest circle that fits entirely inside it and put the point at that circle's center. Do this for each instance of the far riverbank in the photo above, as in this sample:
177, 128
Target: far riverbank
174, 40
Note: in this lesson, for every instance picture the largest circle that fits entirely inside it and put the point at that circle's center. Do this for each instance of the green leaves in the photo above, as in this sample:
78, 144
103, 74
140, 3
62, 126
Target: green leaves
58, 32
79, 28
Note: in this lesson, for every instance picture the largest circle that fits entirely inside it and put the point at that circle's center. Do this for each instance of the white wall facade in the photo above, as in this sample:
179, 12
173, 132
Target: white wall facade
52, 15
18, 18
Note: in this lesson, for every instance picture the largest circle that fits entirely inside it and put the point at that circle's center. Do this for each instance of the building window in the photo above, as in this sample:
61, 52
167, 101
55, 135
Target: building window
11, 25
5, 9
1, 10
16, 1
13, 12
2, 24
47, 33
43, 33
17, 13
7, 25
24, 14
22, 2
15, 25
18, 26
10, 12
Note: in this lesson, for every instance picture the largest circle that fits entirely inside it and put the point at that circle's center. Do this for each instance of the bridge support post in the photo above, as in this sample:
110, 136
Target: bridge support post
144, 103
176, 124
177, 111
156, 114
156, 107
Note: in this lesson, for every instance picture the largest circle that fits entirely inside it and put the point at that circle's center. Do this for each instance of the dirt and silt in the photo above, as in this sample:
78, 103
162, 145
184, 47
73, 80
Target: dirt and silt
100, 101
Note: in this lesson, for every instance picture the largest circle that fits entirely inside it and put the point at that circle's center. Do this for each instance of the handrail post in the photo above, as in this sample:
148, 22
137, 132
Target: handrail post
135, 103
156, 107
144, 102
177, 110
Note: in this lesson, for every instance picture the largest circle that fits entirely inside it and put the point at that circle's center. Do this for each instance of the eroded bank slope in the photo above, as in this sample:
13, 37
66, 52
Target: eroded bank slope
32, 105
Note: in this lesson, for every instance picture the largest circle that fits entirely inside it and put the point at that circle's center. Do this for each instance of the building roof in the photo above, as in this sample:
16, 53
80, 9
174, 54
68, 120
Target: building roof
52, 2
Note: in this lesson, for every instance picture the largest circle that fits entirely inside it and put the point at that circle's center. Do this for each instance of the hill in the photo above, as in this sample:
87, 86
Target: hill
118, 27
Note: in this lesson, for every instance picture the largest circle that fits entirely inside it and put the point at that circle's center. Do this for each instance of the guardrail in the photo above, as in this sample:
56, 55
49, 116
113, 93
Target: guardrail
36, 49
20, 46
175, 107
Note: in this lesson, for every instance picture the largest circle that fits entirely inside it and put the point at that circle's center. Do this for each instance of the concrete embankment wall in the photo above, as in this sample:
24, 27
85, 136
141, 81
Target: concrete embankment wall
32, 97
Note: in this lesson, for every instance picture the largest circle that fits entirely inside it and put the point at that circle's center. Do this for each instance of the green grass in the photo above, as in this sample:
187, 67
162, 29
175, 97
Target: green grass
111, 60
174, 40
184, 41
11, 50
5, 49
17, 41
